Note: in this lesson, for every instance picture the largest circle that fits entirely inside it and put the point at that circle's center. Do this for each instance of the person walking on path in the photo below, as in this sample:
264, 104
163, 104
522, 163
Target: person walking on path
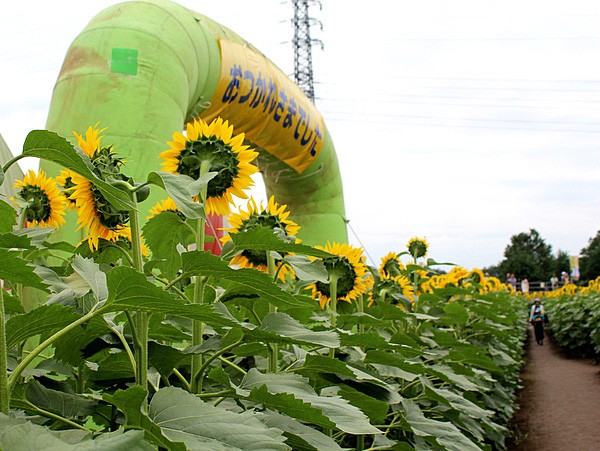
537, 317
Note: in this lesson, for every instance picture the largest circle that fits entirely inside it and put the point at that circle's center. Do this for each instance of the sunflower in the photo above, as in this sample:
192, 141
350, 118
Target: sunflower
226, 155
394, 285
390, 266
65, 182
417, 247
273, 216
101, 219
349, 264
44, 204
167, 204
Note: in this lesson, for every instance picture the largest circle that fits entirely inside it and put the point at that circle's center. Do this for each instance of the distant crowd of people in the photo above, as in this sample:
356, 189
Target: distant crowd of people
523, 284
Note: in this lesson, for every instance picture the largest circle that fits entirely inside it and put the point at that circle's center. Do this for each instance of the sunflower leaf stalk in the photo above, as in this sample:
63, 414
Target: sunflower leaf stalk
333, 282
4, 391
141, 318
198, 326
273, 348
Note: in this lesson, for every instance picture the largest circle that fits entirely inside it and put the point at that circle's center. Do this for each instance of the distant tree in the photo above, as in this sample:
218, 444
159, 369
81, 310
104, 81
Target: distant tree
589, 262
562, 263
529, 256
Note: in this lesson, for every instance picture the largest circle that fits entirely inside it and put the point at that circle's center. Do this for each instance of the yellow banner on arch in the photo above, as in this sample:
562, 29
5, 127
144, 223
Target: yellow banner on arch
259, 100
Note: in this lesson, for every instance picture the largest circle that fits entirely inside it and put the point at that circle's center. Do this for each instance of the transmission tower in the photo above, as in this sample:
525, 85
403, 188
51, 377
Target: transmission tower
303, 72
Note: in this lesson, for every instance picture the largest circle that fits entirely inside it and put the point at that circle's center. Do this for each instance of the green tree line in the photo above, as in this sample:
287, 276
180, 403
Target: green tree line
529, 256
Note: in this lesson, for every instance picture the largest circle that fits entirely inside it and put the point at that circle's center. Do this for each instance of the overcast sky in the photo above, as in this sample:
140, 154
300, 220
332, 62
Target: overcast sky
464, 122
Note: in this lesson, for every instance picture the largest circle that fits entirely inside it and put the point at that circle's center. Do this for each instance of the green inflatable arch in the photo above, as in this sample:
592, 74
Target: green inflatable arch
144, 68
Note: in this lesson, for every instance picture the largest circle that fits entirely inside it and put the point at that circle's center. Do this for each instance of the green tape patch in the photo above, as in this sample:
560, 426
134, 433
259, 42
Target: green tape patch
124, 61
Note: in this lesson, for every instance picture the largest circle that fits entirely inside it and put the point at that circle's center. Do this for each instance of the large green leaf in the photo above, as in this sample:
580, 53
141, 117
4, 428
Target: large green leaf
444, 433
402, 369
360, 378
130, 290
91, 273
177, 187
17, 270
131, 402
336, 409
65, 404
185, 418
206, 264
162, 234
456, 313
23, 435
300, 436
44, 319
306, 269
8, 217
52, 147
459, 402
13, 241
285, 326
375, 409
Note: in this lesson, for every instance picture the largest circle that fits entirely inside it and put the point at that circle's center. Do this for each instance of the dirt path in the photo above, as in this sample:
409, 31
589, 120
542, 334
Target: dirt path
560, 402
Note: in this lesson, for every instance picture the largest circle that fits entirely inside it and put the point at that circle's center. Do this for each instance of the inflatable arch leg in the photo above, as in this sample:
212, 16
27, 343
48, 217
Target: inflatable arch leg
144, 68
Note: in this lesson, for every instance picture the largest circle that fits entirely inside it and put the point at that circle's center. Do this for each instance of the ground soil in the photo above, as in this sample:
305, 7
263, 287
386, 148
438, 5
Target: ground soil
559, 402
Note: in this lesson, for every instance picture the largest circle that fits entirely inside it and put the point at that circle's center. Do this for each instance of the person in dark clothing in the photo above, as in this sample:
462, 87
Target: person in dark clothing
537, 317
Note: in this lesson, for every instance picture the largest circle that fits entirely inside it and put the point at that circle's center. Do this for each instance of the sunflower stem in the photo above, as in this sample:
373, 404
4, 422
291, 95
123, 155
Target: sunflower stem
4, 391
7, 166
272, 347
361, 309
141, 318
47, 342
333, 280
198, 326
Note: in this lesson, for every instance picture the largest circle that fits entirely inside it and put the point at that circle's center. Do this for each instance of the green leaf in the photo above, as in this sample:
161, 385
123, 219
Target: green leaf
375, 409
456, 401
52, 147
16, 270
8, 217
286, 326
12, 241
130, 402
306, 269
264, 239
177, 187
384, 361
370, 339
344, 415
130, 290
444, 433
44, 319
12, 305
309, 437
185, 418
20, 434
206, 264
164, 358
475, 357
91, 273
66, 404
164, 244
456, 313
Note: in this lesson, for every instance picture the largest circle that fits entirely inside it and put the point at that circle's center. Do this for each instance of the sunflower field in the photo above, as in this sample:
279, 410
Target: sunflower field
137, 338
575, 319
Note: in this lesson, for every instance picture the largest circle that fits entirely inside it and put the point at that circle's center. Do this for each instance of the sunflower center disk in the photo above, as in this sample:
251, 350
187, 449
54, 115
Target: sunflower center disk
38, 208
346, 273
222, 160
